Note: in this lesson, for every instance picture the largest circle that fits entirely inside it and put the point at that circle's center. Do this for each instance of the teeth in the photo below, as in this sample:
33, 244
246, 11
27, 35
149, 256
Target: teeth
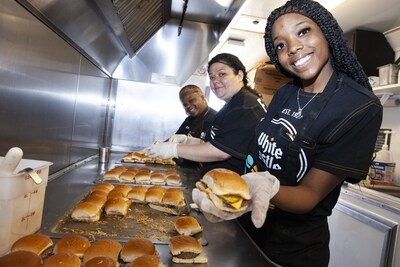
301, 61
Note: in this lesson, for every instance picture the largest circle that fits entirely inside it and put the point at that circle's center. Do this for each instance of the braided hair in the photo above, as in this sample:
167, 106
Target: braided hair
342, 56
235, 64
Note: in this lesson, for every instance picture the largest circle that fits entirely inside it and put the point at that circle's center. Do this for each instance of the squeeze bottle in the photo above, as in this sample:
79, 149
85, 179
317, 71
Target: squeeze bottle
382, 169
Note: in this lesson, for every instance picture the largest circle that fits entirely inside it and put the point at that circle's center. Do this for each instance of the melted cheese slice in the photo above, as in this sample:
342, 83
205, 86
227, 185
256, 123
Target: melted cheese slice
234, 201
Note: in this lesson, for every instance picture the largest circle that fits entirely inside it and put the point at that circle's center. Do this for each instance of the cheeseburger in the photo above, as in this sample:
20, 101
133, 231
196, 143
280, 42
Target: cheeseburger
226, 189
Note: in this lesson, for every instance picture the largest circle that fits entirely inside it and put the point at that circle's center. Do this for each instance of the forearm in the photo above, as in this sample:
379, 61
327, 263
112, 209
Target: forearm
193, 140
204, 152
314, 187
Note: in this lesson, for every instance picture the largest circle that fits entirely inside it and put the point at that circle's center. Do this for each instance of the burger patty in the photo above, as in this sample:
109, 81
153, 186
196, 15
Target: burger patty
187, 255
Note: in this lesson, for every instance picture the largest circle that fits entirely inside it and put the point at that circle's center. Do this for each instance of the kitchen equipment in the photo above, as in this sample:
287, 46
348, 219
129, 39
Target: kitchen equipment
388, 74
104, 154
21, 199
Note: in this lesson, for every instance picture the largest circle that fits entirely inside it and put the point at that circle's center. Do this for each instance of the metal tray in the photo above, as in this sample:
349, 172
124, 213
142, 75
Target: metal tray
141, 221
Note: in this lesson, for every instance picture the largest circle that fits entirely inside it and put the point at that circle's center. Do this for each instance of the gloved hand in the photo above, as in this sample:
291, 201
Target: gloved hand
263, 186
164, 150
178, 138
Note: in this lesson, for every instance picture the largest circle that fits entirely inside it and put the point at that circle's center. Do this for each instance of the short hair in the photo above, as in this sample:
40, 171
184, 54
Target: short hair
190, 89
342, 56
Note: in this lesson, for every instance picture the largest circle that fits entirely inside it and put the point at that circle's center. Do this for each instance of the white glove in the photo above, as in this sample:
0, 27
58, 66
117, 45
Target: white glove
263, 186
178, 138
164, 150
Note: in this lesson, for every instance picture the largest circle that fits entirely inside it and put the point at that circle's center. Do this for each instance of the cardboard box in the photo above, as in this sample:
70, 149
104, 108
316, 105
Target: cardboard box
21, 202
268, 80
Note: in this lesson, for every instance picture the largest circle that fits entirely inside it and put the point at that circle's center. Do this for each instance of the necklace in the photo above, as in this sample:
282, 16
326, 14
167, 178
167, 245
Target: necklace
299, 111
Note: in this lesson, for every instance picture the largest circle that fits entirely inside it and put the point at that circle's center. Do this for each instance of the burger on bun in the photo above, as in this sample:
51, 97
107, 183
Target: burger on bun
226, 189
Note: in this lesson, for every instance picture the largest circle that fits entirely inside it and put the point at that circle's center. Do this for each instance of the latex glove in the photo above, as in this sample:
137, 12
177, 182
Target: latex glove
164, 150
178, 138
263, 186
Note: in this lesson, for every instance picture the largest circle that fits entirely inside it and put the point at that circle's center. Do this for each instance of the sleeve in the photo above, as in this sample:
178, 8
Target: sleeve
236, 131
347, 152
181, 129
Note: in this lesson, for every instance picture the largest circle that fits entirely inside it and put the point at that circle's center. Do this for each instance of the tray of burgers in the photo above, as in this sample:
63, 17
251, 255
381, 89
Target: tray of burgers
138, 157
124, 211
143, 176
75, 250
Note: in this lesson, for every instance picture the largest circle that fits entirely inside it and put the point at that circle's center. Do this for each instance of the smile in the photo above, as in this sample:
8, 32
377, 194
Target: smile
301, 61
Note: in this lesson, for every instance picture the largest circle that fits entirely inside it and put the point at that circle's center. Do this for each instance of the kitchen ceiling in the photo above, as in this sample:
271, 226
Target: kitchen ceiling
244, 36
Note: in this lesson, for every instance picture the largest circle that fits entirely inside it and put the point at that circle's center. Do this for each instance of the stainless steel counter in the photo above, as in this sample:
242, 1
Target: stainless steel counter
228, 244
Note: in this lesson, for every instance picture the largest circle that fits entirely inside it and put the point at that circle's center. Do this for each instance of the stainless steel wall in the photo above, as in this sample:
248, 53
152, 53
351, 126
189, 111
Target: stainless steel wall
145, 113
52, 100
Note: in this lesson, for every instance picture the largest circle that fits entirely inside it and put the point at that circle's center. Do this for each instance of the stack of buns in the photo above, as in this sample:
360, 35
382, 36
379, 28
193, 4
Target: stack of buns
138, 157
143, 175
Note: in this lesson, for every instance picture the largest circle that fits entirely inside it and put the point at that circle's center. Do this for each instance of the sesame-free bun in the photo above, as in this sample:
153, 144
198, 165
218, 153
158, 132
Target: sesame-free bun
142, 177
226, 182
117, 206
147, 261
188, 246
73, 244
62, 259
21, 259
103, 248
101, 262
86, 212
137, 247
36, 243
138, 194
223, 185
187, 225
154, 195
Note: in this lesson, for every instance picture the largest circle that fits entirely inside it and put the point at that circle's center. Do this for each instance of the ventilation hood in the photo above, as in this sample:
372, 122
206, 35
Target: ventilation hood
152, 41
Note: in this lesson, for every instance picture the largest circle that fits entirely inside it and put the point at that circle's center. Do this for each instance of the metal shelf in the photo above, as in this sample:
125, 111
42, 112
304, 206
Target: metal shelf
386, 92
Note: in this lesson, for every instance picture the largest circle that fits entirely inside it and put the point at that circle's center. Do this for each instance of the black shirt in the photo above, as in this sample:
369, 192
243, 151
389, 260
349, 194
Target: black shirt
232, 130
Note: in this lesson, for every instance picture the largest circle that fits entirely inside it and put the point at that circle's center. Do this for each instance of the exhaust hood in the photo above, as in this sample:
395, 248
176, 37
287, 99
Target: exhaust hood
151, 41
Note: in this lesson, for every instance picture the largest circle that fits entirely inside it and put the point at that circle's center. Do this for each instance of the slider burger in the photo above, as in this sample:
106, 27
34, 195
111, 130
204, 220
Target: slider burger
128, 176
103, 248
36, 243
21, 259
86, 212
143, 177
186, 249
187, 225
172, 202
103, 187
62, 259
173, 179
73, 244
101, 262
147, 261
117, 206
137, 247
157, 179
226, 189
137, 194
123, 188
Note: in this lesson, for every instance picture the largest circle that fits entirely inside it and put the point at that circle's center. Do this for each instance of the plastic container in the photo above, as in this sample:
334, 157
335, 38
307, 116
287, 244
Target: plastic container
21, 202
383, 167
388, 74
